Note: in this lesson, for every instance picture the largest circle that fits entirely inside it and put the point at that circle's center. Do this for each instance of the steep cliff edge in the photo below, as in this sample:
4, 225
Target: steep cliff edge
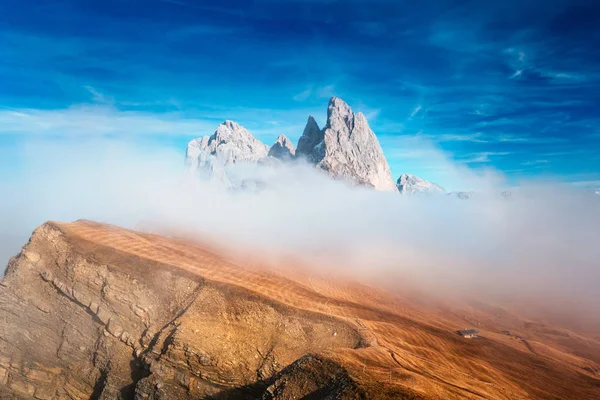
346, 148
84, 320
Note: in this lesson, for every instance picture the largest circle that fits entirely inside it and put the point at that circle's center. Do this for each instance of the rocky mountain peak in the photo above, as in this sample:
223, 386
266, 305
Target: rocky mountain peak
411, 184
282, 148
229, 131
349, 149
230, 144
311, 137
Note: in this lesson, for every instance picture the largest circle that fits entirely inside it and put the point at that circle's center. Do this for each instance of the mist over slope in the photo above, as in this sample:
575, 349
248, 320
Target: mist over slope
540, 244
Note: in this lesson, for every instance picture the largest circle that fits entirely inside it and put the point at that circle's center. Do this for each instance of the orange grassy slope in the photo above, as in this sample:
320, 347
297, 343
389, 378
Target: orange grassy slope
409, 347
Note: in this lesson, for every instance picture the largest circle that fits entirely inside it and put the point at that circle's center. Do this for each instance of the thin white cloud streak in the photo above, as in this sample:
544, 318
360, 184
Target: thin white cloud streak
103, 120
415, 111
418, 155
542, 244
303, 95
95, 120
484, 156
481, 137
316, 92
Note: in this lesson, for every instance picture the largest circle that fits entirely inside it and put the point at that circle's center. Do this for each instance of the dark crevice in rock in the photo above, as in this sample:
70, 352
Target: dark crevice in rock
169, 340
139, 371
189, 301
100, 384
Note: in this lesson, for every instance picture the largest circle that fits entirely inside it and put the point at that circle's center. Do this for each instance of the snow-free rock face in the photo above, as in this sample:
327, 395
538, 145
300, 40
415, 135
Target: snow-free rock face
84, 318
311, 137
283, 149
411, 185
230, 144
349, 149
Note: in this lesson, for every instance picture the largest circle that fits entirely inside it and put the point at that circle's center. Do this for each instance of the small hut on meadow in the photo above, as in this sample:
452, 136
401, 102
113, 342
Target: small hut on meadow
468, 333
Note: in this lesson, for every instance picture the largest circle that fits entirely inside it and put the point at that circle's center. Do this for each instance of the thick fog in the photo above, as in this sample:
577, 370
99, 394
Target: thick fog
541, 244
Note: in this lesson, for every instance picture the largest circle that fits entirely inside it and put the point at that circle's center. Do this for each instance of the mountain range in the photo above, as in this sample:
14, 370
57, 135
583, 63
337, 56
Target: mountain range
345, 148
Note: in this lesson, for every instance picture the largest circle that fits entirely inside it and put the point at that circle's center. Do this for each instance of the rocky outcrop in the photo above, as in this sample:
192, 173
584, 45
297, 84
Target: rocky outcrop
348, 149
413, 185
210, 157
311, 137
282, 149
82, 319
317, 375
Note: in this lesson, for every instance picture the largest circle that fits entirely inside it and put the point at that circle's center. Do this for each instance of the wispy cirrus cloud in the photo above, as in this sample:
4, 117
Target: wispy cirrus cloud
97, 120
415, 111
316, 92
534, 162
484, 156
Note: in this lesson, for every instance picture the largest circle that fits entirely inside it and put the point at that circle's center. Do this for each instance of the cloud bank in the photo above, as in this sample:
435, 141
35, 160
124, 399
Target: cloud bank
541, 244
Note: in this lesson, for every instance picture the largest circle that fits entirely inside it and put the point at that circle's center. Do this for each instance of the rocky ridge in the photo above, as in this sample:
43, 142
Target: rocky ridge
349, 148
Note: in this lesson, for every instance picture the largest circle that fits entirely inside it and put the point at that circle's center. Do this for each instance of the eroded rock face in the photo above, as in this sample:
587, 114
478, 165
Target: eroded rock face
81, 321
282, 149
348, 149
311, 137
210, 157
411, 185
316, 375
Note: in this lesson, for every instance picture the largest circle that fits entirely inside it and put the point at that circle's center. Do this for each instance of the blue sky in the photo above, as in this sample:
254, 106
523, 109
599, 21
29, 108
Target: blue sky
512, 86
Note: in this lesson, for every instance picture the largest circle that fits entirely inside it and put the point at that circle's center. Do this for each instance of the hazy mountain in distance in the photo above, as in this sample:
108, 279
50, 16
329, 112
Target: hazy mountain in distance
410, 185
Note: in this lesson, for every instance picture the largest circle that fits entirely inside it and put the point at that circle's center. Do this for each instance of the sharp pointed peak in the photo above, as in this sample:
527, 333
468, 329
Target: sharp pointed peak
311, 124
282, 148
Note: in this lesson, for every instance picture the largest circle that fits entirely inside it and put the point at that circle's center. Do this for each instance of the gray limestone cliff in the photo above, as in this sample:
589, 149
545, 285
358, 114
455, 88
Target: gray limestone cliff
231, 144
348, 148
411, 185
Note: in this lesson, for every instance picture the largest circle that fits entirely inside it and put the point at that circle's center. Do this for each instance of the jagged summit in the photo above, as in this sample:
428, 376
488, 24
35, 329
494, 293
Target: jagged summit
338, 111
348, 148
311, 137
231, 143
411, 184
282, 149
